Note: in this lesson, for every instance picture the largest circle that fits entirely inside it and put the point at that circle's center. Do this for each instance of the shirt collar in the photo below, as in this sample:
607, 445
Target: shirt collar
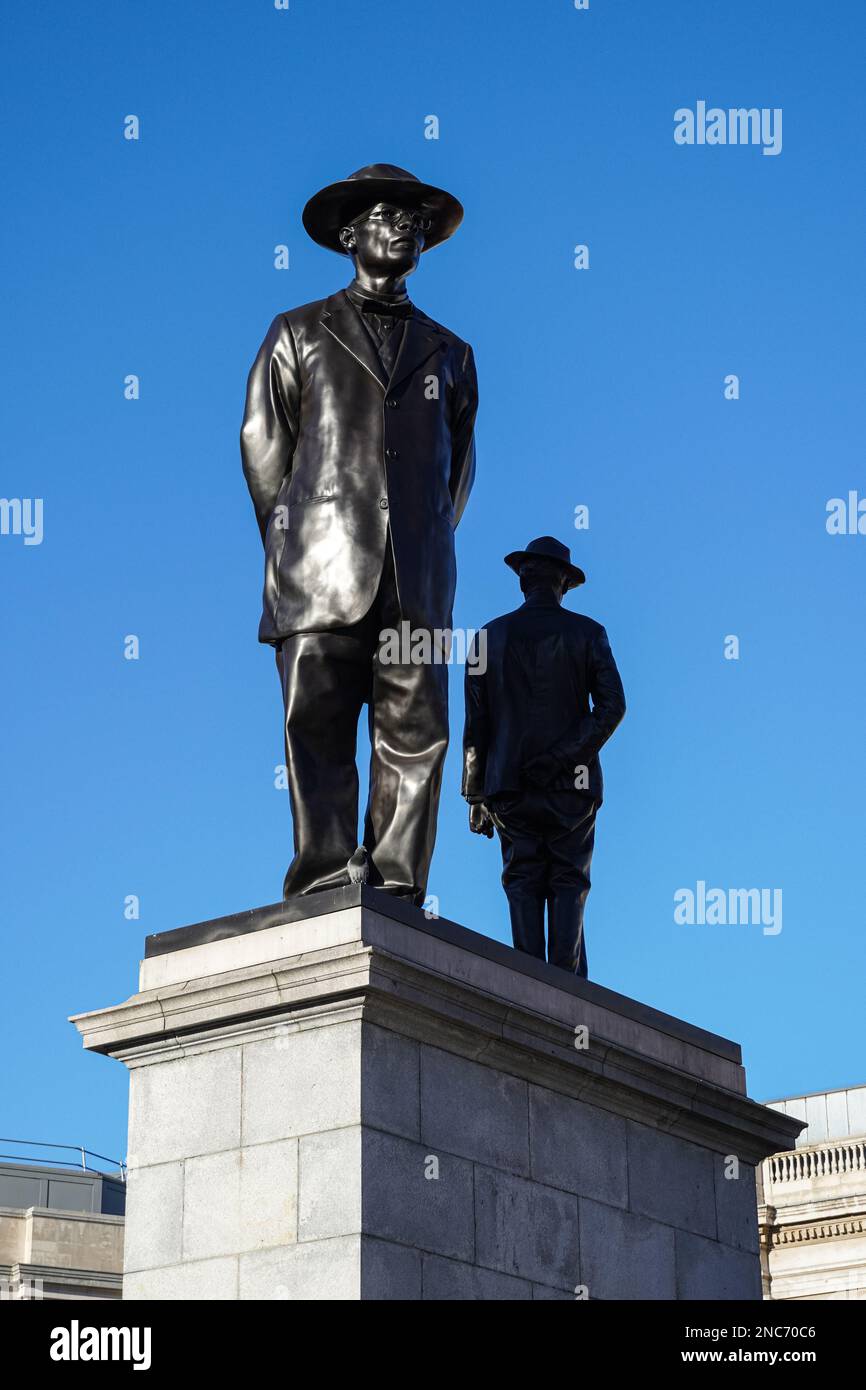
379, 304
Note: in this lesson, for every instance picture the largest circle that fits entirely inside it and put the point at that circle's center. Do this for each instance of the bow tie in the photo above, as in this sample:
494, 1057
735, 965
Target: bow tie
392, 311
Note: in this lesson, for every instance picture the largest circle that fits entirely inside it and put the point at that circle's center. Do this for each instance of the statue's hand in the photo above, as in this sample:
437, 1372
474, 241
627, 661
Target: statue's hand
541, 770
480, 822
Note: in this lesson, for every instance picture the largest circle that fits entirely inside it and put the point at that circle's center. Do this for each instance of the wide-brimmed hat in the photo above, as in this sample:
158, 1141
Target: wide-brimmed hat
334, 207
547, 548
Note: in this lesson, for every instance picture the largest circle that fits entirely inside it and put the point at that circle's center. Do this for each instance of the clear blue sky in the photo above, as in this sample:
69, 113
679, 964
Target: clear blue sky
601, 387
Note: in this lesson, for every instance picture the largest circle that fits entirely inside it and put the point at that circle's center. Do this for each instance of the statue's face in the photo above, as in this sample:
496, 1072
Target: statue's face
386, 240
540, 572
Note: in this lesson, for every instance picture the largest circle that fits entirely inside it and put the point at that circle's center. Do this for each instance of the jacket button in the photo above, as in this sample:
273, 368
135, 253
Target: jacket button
391, 454
394, 405
383, 504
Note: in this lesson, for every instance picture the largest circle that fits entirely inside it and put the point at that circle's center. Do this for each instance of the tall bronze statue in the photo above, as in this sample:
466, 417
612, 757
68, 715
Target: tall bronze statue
530, 749
358, 452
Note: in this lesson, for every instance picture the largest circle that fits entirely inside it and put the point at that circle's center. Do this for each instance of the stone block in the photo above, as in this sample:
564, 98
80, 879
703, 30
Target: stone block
211, 1217
736, 1205
329, 1184
322, 1270
154, 1209
184, 1106
578, 1147
390, 1082
708, 1270
418, 1196
526, 1229
199, 1280
474, 1110
450, 1280
269, 1194
389, 1272
242, 1200
625, 1256
302, 1082
671, 1180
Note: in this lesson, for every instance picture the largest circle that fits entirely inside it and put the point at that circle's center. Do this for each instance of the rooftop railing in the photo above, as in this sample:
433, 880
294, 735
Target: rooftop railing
47, 1156
822, 1160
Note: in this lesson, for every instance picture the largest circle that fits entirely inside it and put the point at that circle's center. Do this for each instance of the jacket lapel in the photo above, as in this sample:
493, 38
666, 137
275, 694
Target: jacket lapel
344, 323
421, 337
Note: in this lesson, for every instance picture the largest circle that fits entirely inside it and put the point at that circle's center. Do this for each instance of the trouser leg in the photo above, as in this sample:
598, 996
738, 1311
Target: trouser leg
524, 875
569, 852
325, 678
408, 741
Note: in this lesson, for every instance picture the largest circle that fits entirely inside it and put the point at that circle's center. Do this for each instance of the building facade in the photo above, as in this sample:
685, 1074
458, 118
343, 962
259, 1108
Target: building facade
61, 1233
812, 1201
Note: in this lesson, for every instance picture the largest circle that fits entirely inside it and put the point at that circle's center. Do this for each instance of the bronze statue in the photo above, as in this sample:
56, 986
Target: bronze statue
530, 749
358, 452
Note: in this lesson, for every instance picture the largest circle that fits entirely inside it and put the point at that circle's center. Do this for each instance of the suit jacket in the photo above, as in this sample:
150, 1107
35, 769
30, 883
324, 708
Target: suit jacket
335, 454
543, 663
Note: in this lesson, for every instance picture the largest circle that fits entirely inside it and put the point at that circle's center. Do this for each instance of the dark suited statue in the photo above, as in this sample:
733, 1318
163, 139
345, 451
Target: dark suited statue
530, 749
358, 451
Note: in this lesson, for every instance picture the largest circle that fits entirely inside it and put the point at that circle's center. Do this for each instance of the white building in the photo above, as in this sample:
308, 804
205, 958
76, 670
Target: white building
812, 1201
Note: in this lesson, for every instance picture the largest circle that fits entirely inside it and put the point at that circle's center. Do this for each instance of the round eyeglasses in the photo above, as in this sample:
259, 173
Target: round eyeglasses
384, 212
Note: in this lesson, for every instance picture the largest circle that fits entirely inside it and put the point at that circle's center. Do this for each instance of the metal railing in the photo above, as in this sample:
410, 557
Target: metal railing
51, 1160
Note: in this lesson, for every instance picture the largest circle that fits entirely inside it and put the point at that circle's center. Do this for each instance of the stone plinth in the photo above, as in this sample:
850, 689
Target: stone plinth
366, 1103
